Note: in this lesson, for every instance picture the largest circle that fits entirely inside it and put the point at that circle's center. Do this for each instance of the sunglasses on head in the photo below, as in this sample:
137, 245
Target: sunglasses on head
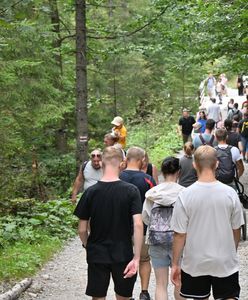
95, 155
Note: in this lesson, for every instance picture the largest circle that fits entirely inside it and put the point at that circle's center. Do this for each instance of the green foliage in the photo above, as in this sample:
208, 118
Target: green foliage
31, 219
24, 259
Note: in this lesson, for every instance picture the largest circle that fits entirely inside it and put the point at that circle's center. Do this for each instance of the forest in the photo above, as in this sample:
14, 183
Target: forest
67, 68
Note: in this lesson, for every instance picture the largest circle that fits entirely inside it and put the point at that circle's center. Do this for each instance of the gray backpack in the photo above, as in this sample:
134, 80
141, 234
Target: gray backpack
160, 232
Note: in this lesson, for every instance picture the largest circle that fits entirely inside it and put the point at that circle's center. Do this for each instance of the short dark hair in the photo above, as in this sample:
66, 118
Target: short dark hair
221, 134
170, 165
213, 100
228, 124
236, 105
210, 124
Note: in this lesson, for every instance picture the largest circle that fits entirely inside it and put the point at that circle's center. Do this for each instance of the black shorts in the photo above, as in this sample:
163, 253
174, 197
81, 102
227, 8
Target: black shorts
99, 277
199, 287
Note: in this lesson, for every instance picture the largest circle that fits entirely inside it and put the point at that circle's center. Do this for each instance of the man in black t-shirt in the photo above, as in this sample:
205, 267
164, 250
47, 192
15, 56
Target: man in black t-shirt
133, 174
185, 126
113, 208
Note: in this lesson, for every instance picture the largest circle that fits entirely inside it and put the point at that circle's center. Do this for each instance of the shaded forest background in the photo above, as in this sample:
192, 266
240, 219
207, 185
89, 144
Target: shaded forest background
145, 61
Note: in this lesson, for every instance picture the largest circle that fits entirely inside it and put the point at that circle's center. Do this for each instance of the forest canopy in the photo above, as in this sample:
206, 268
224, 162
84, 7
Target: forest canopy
145, 61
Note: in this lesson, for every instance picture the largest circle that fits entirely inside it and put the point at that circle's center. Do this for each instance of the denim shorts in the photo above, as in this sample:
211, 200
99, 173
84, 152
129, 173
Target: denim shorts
161, 256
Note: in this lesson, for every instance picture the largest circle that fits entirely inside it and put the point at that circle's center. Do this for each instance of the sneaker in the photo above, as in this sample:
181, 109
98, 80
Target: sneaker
144, 296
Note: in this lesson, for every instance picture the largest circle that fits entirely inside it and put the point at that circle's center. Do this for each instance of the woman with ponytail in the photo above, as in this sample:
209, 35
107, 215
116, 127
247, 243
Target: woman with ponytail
187, 175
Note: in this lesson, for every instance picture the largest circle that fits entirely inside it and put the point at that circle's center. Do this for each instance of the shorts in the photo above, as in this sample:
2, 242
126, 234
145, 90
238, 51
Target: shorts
244, 143
161, 256
199, 287
99, 277
144, 255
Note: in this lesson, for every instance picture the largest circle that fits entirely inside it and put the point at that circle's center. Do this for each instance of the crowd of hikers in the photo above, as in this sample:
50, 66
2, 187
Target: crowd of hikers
189, 222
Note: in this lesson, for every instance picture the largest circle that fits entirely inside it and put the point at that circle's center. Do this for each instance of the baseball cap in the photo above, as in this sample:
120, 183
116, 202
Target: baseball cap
117, 121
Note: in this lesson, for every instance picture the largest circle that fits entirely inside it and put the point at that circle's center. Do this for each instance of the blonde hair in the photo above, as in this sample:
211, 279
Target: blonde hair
112, 156
188, 148
205, 157
135, 153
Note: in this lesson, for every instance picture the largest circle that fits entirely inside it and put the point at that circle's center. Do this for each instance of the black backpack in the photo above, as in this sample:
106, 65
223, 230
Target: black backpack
226, 168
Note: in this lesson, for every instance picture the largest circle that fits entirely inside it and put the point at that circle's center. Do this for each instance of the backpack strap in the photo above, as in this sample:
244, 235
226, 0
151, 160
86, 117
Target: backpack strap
202, 139
83, 166
149, 169
211, 140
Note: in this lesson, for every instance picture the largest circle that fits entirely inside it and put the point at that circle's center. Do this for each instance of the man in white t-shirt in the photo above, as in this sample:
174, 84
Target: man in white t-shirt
214, 112
206, 220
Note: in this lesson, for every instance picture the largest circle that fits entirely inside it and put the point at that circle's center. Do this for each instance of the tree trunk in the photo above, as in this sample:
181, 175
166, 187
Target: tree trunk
61, 135
81, 83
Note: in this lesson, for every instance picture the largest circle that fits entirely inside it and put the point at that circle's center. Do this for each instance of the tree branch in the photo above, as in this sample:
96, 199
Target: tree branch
114, 37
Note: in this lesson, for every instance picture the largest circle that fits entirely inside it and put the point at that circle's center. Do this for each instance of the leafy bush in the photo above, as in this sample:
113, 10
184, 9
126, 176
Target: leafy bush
54, 218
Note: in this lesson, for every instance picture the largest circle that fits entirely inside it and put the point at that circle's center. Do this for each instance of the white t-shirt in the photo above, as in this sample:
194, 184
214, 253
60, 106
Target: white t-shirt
213, 112
207, 213
91, 175
235, 152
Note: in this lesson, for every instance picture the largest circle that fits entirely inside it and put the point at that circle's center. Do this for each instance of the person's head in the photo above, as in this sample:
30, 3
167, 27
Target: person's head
245, 115
185, 112
136, 157
202, 114
96, 158
210, 124
188, 148
221, 135
109, 139
112, 157
228, 124
170, 166
210, 75
231, 101
205, 158
213, 100
236, 105
145, 161
117, 122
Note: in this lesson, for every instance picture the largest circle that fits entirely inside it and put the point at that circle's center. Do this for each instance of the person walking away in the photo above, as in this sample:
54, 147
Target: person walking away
233, 137
243, 130
133, 174
230, 160
89, 173
230, 104
202, 119
234, 112
219, 90
150, 169
120, 131
157, 213
207, 138
110, 139
214, 112
187, 174
206, 221
240, 85
185, 126
111, 206
224, 81
211, 81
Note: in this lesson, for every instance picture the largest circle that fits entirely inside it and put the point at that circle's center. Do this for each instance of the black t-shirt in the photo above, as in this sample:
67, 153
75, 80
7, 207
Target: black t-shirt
143, 181
243, 126
233, 138
109, 206
186, 124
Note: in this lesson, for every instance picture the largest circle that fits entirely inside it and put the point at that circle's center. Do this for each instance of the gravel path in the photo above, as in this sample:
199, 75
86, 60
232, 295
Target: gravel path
65, 276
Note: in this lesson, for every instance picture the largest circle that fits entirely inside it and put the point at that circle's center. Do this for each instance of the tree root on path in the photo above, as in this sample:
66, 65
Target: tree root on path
17, 289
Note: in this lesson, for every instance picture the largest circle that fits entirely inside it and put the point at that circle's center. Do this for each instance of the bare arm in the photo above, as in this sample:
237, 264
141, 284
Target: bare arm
236, 236
83, 231
155, 173
177, 249
240, 167
133, 265
240, 146
77, 185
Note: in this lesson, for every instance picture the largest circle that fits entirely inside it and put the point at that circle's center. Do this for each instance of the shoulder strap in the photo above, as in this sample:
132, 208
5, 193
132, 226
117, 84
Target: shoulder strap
211, 140
149, 169
84, 165
202, 139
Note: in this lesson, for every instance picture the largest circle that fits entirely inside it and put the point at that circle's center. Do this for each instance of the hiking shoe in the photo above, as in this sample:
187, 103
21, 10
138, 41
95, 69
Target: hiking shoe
144, 296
